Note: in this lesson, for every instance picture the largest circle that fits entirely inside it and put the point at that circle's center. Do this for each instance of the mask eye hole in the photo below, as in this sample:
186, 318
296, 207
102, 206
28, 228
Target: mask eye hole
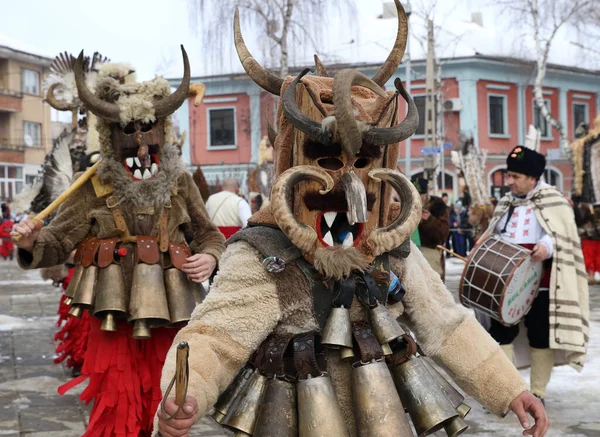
361, 163
129, 129
146, 127
330, 163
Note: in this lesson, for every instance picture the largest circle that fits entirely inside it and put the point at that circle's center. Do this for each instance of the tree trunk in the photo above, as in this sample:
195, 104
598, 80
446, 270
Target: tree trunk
287, 17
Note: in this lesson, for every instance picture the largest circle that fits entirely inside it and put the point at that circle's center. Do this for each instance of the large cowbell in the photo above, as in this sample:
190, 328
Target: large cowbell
278, 416
378, 410
428, 407
148, 305
242, 417
112, 300
319, 412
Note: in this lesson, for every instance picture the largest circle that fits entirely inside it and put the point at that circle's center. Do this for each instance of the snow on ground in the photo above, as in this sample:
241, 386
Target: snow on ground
10, 323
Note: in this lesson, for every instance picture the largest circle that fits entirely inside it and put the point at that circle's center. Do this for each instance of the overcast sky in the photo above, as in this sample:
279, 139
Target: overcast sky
147, 33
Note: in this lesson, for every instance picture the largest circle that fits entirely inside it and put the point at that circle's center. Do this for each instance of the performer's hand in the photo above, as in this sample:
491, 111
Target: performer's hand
29, 231
540, 253
425, 214
528, 403
199, 267
180, 425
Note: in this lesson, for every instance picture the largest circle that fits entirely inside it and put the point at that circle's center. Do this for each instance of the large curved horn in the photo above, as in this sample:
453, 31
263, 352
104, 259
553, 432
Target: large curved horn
303, 236
380, 136
105, 110
59, 106
301, 121
271, 134
395, 56
384, 239
320, 69
169, 104
263, 78
348, 129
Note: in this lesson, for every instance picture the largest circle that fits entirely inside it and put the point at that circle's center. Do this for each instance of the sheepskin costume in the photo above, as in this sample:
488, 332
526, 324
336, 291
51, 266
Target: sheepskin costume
119, 219
335, 159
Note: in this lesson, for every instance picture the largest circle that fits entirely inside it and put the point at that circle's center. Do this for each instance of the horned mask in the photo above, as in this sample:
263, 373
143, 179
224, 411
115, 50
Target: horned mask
336, 153
135, 123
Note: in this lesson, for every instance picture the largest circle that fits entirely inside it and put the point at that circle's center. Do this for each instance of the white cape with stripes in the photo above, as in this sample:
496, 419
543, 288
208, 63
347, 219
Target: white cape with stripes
569, 299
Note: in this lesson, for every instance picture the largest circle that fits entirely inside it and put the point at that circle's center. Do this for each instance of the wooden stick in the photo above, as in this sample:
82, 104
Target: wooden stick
452, 253
64, 196
181, 372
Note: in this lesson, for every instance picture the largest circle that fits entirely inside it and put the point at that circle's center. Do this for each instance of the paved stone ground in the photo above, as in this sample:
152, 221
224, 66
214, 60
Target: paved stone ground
30, 406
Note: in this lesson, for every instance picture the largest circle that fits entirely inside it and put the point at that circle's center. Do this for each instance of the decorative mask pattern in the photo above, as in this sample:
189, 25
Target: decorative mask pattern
337, 143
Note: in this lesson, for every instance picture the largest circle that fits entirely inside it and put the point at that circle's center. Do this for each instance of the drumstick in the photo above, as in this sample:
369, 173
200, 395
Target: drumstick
181, 372
452, 253
64, 196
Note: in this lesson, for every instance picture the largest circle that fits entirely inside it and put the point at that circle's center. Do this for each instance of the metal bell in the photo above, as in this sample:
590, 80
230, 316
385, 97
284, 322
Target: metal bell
338, 329
387, 350
76, 311
278, 416
74, 284
84, 295
319, 412
346, 353
198, 292
377, 407
242, 417
428, 407
68, 301
141, 330
179, 295
148, 299
230, 395
456, 427
385, 327
453, 395
112, 300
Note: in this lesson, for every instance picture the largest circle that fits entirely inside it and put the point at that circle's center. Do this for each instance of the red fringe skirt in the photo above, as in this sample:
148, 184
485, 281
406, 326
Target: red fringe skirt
124, 380
72, 336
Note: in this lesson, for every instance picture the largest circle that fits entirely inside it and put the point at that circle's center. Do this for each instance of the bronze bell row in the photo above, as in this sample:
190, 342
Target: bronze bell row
158, 297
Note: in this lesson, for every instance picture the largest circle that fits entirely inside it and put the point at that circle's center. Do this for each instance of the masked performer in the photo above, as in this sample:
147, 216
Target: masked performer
304, 296
535, 215
131, 225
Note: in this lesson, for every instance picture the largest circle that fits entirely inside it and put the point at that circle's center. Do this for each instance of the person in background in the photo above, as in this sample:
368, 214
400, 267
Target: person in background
457, 219
433, 228
227, 209
6, 245
445, 199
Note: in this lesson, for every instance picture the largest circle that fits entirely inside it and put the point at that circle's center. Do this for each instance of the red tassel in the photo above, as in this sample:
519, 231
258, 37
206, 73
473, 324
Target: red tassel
72, 336
124, 380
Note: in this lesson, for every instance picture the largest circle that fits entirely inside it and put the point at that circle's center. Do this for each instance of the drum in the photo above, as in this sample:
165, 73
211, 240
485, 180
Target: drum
500, 280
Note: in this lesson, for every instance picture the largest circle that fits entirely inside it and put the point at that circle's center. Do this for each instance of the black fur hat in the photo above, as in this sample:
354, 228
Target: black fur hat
526, 161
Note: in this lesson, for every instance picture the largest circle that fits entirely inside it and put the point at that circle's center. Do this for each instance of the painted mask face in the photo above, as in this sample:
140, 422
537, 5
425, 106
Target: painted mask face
138, 146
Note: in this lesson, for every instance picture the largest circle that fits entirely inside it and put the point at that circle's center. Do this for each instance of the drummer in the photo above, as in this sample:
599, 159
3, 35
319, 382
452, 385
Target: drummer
537, 216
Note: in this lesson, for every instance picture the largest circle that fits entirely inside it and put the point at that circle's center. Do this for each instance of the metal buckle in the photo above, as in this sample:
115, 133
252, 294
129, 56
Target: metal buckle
111, 202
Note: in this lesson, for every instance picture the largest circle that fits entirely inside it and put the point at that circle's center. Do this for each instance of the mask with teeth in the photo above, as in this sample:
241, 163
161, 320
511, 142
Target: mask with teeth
336, 152
135, 135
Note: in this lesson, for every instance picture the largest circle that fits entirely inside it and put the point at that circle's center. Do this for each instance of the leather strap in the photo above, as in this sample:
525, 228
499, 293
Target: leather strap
89, 252
178, 254
402, 352
276, 346
305, 359
345, 292
113, 204
368, 346
147, 250
106, 252
163, 229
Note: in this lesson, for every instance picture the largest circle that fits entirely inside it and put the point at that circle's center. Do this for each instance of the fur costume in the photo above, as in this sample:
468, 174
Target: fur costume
569, 306
586, 162
141, 212
338, 138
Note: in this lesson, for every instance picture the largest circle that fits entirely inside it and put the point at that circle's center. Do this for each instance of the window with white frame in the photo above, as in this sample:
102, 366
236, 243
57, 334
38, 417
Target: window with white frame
30, 81
498, 116
580, 114
540, 122
221, 128
11, 181
32, 134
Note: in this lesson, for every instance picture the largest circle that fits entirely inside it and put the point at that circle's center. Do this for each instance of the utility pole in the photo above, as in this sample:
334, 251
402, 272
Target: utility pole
430, 161
408, 142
